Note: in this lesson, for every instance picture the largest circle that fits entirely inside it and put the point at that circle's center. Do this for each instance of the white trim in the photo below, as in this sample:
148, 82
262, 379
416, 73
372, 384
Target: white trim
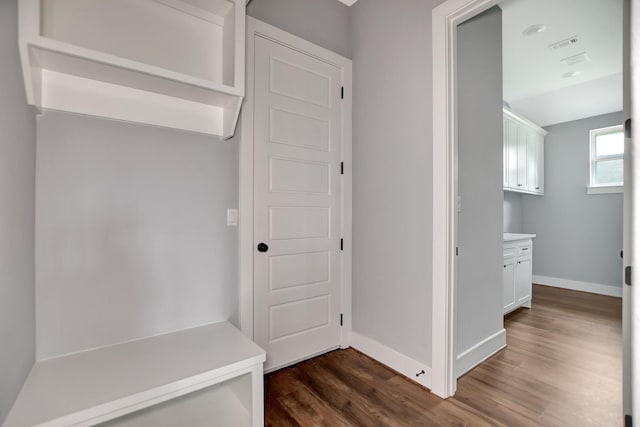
523, 120
196, 12
245, 197
445, 19
347, 205
608, 189
256, 28
576, 285
480, 352
399, 362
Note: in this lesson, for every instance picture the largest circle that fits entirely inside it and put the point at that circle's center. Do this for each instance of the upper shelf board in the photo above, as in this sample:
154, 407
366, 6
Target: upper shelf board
110, 65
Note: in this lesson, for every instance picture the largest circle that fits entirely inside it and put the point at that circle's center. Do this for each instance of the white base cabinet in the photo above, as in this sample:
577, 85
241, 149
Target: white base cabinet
517, 271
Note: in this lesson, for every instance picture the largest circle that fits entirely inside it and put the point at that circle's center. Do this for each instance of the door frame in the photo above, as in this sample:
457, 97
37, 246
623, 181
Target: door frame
445, 20
256, 28
631, 240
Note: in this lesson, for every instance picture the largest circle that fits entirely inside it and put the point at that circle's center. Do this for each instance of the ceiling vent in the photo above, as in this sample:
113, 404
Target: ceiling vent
564, 43
576, 59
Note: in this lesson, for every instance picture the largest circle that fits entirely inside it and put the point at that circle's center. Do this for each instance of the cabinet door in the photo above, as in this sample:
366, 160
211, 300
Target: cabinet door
523, 280
509, 285
512, 154
505, 152
535, 163
540, 163
532, 161
522, 153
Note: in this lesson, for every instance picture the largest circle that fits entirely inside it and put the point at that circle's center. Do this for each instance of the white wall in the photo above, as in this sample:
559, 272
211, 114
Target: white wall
323, 22
392, 201
579, 236
131, 232
17, 164
479, 263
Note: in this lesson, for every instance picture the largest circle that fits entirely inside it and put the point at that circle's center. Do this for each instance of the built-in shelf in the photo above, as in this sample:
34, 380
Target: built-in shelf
193, 376
171, 63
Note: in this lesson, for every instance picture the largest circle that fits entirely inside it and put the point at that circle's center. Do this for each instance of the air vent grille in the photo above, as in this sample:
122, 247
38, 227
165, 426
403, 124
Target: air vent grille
564, 43
577, 59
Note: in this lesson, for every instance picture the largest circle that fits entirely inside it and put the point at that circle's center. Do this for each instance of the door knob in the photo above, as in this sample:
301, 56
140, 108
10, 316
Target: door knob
263, 247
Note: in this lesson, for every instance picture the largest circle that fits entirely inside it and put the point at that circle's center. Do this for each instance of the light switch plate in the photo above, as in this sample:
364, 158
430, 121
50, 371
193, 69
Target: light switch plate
232, 217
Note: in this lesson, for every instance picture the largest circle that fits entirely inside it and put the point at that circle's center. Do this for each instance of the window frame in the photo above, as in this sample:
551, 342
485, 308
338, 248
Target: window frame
594, 188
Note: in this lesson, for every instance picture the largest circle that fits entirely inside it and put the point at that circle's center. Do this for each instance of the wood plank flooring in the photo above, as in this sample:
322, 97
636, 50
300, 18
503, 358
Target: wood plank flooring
562, 367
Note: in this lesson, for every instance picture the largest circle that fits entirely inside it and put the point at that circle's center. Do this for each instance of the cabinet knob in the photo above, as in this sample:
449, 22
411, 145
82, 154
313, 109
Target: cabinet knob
519, 185
537, 188
262, 247
505, 266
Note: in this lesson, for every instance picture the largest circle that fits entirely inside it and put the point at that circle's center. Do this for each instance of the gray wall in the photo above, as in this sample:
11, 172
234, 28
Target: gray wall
17, 164
579, 236
479, 289
323, 22
131, 227
512, 212
131, 232
392, 173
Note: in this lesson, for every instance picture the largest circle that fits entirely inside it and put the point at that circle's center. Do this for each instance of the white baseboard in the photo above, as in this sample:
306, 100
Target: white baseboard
575, 285
480, 352
393, 359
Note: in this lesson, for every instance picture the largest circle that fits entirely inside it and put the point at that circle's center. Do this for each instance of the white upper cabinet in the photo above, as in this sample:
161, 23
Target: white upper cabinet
170, 63
523, 155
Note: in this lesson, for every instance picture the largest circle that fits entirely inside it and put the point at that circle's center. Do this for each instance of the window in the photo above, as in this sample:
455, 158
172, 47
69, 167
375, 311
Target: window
607, 154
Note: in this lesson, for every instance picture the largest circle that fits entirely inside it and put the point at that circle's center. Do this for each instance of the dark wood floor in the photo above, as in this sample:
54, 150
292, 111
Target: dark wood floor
562, 367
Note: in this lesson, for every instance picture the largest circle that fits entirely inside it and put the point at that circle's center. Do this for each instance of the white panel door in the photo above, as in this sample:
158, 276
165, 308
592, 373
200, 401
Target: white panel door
297, 203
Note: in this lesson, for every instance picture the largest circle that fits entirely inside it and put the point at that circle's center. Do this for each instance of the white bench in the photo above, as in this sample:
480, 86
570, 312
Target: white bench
210, 375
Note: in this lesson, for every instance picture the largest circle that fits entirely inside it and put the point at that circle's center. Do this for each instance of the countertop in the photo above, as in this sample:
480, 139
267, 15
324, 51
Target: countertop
509, 237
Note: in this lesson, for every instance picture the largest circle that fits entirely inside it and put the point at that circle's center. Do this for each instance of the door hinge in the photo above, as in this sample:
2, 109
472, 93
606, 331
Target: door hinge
456, 251
627, 128
341, 318
342, 92
342, 244
628, 422
341, 168
627, 275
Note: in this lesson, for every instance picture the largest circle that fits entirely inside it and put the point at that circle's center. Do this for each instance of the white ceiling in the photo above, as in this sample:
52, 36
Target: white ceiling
532, 72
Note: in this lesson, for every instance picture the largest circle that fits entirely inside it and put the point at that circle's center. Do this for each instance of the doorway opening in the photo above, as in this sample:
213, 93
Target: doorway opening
446, 19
